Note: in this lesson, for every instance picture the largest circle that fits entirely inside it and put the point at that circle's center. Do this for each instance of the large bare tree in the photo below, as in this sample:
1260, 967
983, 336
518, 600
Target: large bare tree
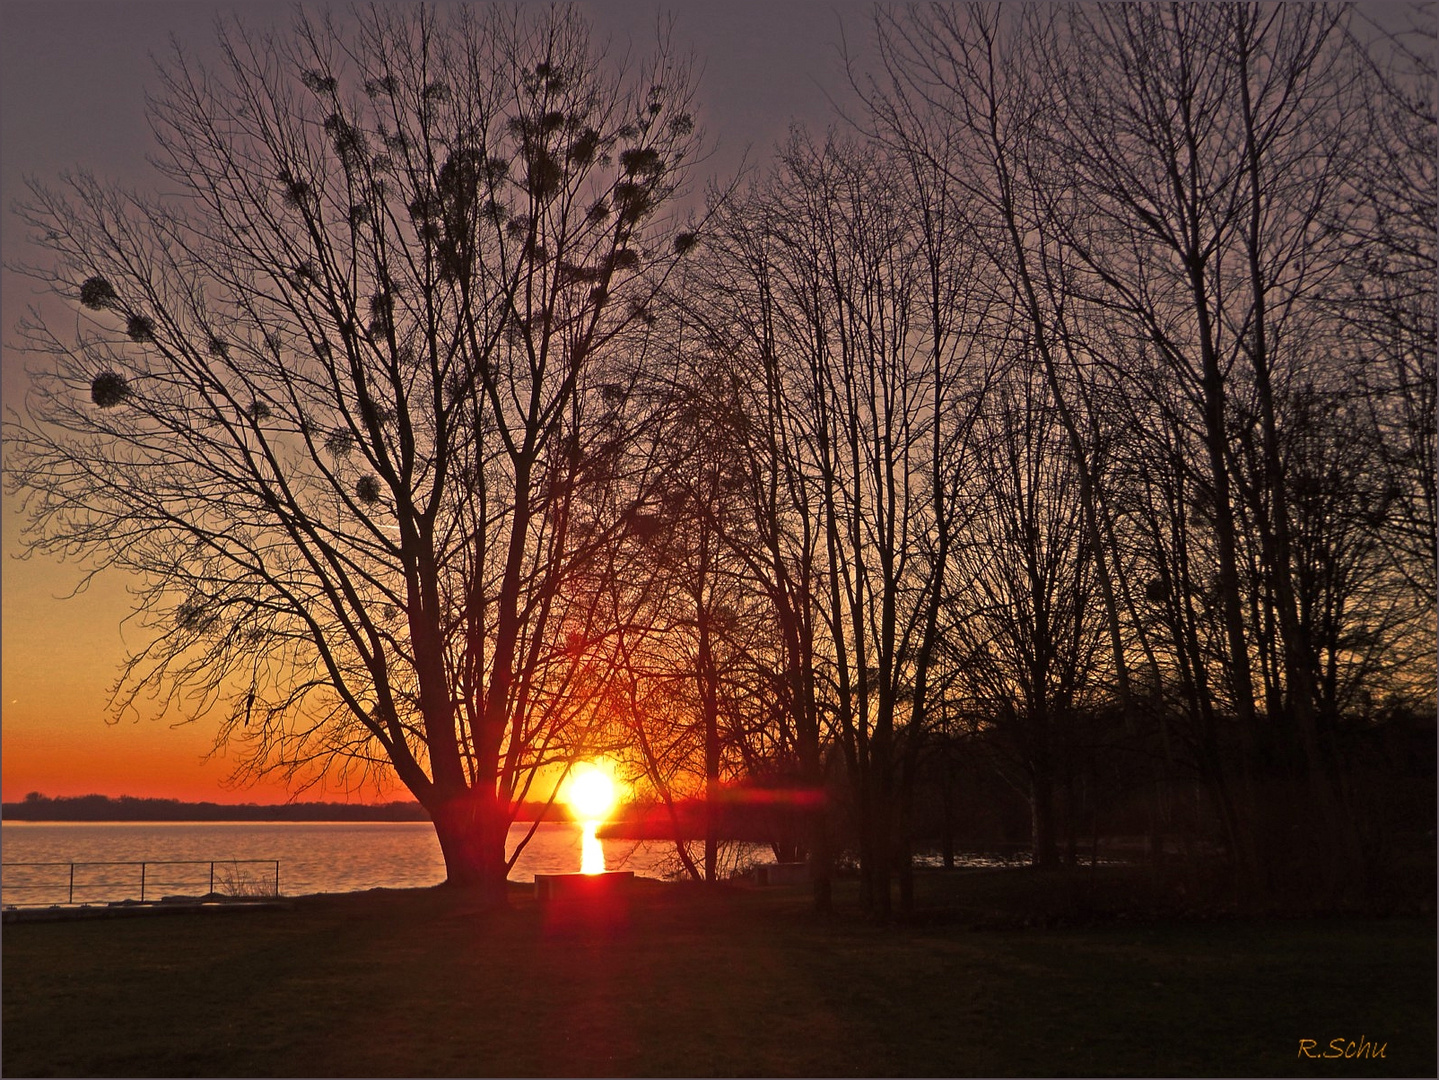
349, 401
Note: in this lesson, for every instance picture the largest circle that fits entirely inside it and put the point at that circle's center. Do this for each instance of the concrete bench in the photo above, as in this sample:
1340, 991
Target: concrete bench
785, 873
582, 886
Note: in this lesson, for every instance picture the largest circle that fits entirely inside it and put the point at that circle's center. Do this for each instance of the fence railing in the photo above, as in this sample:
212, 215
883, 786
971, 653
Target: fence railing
49, 884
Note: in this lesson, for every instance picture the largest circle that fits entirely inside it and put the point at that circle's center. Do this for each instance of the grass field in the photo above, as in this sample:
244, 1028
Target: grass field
735, 982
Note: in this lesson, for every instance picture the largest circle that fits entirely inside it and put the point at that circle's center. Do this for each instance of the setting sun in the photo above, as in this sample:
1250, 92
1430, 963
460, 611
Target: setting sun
591, 792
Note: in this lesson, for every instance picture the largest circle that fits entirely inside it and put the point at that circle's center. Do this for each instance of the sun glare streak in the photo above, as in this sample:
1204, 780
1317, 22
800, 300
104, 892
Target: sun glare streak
592, 851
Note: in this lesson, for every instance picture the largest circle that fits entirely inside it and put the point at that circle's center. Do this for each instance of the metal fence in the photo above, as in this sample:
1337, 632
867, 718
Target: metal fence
49, 884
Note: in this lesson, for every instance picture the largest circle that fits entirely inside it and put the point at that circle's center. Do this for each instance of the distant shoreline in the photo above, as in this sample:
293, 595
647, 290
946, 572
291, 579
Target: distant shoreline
101, 808
752, 815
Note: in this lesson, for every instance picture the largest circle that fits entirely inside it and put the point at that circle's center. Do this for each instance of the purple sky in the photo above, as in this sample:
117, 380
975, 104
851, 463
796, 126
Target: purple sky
73, 77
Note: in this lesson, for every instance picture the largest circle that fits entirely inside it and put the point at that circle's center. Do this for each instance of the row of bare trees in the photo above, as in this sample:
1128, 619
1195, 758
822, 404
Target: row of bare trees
1069, 409
1078, 412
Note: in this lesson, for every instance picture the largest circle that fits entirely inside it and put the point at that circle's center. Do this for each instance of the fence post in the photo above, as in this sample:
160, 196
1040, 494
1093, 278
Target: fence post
212, 877
142, 883
277, 877
72, 883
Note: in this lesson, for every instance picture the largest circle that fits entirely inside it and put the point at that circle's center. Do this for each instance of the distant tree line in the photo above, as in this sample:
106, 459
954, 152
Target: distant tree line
1046, 452
38, 807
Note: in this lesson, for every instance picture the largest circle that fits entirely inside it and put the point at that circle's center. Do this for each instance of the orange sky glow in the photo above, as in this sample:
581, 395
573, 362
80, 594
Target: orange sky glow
74, 78
59, 657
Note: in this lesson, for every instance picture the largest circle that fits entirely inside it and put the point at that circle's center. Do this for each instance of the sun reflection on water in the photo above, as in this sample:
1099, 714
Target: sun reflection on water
592, 851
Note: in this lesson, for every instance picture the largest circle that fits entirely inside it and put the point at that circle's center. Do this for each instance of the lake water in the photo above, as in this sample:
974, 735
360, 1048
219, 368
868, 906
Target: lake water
313, 857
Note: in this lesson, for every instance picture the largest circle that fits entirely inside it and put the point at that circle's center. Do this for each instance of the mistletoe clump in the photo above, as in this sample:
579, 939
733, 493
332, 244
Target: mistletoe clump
367, 490
109, 389
140, 328
97, 294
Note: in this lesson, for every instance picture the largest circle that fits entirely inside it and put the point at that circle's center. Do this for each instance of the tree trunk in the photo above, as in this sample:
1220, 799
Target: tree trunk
904, 868
709, 698
1041, 802
946, 838
1071, 821
1298, 652
472, 834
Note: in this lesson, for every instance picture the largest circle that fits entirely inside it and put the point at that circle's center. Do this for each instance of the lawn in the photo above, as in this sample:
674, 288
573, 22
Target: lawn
734, 982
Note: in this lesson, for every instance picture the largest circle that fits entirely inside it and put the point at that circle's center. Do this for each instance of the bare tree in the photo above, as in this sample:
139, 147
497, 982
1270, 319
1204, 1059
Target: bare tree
1388, 304
879, 395
961, 90
1204, 184
346, 403
1024, 633
706, 634
774, 530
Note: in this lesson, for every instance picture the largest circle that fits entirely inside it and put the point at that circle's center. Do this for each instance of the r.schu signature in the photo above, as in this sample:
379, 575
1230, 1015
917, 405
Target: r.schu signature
1342, 1048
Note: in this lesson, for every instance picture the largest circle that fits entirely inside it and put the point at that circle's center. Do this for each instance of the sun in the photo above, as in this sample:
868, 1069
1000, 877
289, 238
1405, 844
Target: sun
590, 792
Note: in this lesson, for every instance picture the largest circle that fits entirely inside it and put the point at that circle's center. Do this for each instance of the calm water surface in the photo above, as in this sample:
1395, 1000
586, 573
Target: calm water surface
314, 857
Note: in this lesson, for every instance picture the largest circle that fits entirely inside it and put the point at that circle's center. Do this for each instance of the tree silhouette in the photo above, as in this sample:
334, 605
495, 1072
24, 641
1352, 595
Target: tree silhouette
337, 402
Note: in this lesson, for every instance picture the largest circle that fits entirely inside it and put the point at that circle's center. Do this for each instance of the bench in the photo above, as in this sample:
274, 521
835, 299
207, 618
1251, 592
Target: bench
785, 873
582, 886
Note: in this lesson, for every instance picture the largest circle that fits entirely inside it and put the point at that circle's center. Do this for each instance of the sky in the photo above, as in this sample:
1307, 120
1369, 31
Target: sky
73, 78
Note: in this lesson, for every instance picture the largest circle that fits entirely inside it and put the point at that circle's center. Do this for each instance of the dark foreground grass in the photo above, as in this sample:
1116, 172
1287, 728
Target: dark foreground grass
740, 982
